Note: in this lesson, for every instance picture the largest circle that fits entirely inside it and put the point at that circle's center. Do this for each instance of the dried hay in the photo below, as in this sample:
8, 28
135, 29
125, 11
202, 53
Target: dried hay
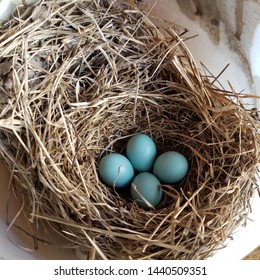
81, 77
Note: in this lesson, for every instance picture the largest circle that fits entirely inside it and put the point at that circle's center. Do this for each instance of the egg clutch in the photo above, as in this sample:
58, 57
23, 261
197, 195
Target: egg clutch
118, 171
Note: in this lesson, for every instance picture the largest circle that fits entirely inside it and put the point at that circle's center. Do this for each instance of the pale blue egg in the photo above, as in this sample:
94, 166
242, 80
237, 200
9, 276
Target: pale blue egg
141, 151
116, 170
170, 167
146, 186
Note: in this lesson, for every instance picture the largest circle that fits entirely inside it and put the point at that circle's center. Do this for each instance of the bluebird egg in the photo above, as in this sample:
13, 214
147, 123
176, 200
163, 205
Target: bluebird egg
145, 190
116, 170
141, 151
170, 167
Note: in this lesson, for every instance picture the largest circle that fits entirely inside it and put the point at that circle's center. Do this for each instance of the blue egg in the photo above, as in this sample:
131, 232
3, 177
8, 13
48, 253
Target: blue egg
116, 170
146, 186
170, 167
141, 151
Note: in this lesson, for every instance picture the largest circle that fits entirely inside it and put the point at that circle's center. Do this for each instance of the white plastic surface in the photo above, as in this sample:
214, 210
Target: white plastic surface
215, 57
7, 7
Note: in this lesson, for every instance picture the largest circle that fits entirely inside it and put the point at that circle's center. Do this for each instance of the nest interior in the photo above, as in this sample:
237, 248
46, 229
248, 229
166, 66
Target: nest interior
78, 79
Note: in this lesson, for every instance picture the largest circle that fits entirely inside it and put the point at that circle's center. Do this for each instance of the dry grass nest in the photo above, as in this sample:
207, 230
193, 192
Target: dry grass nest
78, 79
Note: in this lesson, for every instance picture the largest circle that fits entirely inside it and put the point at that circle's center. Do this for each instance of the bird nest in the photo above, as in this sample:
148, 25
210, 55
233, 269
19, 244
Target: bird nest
79, 78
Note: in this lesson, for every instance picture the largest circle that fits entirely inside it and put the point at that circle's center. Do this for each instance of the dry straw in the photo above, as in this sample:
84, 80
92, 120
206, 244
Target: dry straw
78, 79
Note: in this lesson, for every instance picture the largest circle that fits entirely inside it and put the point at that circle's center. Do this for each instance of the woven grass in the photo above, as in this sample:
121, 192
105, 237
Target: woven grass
79, 78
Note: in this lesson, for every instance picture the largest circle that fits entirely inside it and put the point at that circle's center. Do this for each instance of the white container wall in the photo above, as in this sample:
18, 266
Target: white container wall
7, 7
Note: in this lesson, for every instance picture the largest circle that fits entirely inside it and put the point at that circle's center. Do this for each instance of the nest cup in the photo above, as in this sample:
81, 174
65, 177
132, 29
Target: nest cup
79, 79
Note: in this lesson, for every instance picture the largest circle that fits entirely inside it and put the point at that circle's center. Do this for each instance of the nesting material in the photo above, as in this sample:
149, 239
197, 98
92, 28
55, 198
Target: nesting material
78, 79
